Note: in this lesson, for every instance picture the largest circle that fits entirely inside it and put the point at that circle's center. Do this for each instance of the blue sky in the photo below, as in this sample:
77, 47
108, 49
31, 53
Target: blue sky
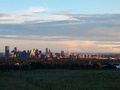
76, 6
70, 25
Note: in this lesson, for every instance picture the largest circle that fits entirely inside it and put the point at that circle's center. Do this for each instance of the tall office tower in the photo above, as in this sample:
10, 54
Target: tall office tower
32, 53
47, 51
36, 52
7, 50
62, 53
15, 51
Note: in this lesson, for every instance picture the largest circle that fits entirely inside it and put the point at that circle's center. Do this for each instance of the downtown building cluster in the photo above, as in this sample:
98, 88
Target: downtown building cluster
35, 58
35, 53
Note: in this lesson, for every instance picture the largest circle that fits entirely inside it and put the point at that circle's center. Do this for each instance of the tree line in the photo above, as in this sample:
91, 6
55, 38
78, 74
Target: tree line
14, 64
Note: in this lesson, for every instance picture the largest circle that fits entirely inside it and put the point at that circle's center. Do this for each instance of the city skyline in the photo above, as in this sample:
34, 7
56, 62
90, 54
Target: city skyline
48, 54
70, 25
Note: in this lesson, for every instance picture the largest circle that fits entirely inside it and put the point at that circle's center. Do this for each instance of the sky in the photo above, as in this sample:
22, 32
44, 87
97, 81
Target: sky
69, 25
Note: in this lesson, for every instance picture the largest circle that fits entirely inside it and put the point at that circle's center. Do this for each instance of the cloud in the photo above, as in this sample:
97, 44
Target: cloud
35, 37
79, 32
31, 11
42, 15
32, 15
4, 15
57, 46
20, 17
74, 32
8, 36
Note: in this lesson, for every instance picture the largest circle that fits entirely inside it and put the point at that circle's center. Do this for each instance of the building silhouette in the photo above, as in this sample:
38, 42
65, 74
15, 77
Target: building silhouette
7, 51
47, 51
15, 49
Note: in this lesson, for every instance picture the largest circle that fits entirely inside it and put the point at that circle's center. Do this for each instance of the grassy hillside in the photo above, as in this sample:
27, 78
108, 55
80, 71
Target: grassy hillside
60, 80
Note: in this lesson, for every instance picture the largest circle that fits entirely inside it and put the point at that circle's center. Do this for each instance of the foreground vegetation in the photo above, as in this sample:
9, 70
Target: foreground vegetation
10, 64
58, 79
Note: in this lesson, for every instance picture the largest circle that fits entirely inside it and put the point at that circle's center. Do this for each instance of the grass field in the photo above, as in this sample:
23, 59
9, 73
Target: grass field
60, 80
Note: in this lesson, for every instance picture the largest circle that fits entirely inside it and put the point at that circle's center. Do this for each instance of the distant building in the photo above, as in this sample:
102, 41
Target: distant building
24, 53
15, 52
11, 54
62, 53
15, 49
7, 51
1, 54
36, 52
32, 53
47, 51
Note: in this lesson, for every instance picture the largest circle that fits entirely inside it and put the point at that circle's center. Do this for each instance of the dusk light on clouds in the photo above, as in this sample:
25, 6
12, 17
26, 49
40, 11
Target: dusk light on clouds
70, 25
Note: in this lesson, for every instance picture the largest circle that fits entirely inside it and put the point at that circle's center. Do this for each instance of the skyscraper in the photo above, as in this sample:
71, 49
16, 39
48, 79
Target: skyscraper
47, 51
7, 51
32, 53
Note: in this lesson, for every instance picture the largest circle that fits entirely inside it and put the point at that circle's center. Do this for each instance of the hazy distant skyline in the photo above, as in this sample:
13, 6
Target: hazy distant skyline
70, 25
